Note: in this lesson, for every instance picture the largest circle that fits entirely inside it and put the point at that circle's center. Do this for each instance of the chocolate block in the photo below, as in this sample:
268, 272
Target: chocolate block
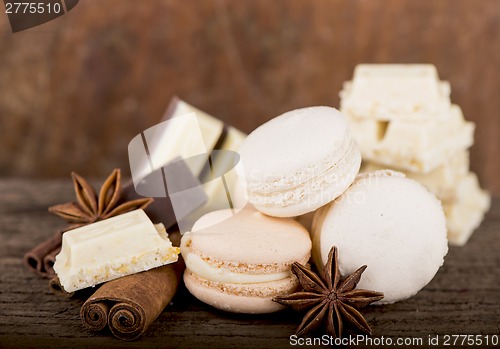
410, 92
414, 146
210, 129
466, 211
112, 248
190, 158
218, 176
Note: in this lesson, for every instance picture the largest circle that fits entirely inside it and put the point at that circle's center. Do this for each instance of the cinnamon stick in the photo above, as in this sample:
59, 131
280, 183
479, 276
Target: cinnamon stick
49, 260
128, 305
34, 259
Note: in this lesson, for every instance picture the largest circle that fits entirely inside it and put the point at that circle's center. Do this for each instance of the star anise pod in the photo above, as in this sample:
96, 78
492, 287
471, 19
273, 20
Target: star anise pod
327, 300
91, 208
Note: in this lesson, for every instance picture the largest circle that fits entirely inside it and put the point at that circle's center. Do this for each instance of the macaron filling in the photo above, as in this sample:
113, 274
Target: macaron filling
261, 183
336, 173
203, 269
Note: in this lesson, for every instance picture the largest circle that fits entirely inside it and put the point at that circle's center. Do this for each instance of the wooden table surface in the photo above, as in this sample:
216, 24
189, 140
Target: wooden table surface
463, 298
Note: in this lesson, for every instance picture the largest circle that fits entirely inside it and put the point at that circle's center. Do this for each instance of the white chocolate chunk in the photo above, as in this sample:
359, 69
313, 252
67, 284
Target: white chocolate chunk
466, 211
112, 248
210, 127
223, 186
228, 187
186, 132
413, 146
402, 118
395, 92
442, 181
218, 192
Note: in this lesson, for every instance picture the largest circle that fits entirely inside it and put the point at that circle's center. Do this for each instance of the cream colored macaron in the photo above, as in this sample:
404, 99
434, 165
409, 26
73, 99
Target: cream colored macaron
238, 263
299, 161
390, 223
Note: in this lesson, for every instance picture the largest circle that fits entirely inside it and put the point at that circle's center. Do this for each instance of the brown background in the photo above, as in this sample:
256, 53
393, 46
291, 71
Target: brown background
73, 92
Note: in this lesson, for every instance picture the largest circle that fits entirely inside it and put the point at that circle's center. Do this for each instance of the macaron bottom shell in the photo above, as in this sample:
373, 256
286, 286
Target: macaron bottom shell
240, 298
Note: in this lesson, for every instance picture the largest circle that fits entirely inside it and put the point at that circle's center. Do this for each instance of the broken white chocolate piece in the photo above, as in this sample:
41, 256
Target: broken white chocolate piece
221, 182
442, 181
413, 146
211, 128
112, 248
465, 213
396, 92
185, 132
225, 189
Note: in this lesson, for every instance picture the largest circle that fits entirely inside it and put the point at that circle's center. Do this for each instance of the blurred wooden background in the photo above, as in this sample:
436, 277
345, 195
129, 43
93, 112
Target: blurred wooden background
73, 92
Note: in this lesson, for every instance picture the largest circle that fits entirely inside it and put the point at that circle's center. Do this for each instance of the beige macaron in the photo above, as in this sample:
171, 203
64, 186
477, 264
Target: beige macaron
238, 263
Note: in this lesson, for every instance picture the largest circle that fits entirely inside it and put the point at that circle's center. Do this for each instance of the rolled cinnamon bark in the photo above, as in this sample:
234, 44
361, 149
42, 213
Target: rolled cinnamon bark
96, 315
49, 260
128, 305
34, 259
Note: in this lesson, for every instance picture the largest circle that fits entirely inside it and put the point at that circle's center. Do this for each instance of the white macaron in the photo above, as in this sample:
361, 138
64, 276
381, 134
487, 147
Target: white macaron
390, 223
299, 161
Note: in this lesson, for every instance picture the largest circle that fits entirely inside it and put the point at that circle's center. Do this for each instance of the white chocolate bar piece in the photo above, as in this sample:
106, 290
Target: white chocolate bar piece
396, 92
442, 181
413, 146
112, 248
465, 213
215, 188
211, 128
155, 147
184, 132
224, 187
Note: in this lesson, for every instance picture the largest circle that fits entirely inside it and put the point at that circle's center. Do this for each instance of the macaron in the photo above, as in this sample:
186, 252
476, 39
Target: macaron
239, 262
299, 161
390, 223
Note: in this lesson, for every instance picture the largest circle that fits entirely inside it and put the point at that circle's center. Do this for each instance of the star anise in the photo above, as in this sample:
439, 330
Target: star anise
91, 208
328, 301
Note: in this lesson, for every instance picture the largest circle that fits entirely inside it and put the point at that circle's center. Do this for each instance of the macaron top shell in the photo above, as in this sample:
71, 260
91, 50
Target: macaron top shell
248, 237
294, 147
390, 223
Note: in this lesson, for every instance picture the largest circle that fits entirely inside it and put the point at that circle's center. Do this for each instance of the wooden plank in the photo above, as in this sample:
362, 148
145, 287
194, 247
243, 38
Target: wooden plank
463, 298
